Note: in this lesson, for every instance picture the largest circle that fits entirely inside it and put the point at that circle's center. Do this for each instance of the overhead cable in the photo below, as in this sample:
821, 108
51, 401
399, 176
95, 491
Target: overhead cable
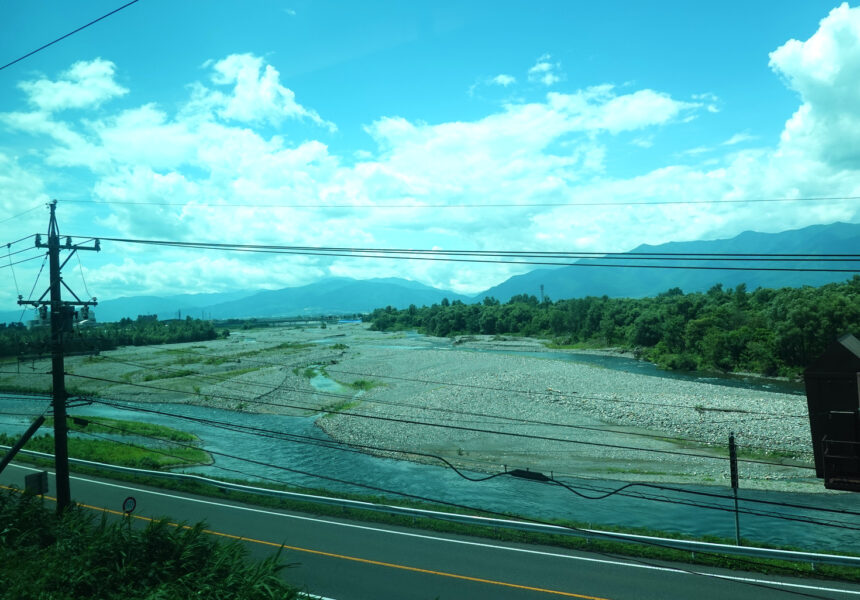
516, 420
51, 43
441, 425
425, 205
503, 257
535, 476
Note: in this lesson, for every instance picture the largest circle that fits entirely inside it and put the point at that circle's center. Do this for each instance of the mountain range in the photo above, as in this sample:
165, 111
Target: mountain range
585, 277
618, 281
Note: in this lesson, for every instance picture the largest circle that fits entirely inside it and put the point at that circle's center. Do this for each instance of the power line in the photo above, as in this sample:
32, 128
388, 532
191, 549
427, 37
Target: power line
419, 205
470, 256
23, 260
35, 283
21, 214
493, 513
51, 43
494, 253
439, 425
376, 488
517, 420
534, 476
26, 237
472, 509
273, 387
302, 439
14, 277
553, 394
17, 252
504, 418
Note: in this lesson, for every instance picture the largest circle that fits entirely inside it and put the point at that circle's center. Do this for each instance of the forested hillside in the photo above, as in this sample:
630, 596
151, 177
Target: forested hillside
768, 331
18, 341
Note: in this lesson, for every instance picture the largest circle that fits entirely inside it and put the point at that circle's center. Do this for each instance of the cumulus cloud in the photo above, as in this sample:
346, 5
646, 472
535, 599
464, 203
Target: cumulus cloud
226, 166
824, 71
257, 95
545, 71
86, 84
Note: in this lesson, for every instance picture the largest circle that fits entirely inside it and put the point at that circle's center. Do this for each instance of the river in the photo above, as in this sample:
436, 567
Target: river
320, 466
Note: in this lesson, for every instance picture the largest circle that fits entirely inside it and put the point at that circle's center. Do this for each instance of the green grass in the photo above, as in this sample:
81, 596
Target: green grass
168, 375
12, 388
71, 556
115, 453
120, 427
363, 384
187, 360
342, 406
309, 372
237, 372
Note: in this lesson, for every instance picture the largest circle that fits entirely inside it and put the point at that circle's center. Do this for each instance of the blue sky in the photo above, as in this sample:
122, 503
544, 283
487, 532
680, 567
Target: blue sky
371, 104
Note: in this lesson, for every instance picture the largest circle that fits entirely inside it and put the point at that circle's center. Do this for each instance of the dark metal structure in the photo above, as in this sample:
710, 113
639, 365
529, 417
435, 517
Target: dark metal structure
833, 398
62, 316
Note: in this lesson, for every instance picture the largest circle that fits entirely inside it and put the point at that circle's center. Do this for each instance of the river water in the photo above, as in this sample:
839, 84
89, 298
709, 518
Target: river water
321, 467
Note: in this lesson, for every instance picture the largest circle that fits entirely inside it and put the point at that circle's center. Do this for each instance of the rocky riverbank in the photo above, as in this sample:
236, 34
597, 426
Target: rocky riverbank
567, 417
483, 403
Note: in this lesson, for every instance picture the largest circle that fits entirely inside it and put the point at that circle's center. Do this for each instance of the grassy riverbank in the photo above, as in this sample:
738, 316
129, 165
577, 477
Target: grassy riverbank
154, 452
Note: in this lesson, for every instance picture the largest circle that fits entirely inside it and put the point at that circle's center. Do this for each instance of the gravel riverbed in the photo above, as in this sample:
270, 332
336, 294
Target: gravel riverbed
564, 416
481, 403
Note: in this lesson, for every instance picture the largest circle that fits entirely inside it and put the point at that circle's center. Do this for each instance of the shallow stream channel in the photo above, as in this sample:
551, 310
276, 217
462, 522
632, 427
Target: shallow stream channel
825, 521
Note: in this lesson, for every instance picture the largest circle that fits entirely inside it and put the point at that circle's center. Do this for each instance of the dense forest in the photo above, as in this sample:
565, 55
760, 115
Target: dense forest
22, 342
767, 331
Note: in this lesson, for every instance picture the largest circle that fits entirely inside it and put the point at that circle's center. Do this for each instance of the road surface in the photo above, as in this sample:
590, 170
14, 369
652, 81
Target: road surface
341, 559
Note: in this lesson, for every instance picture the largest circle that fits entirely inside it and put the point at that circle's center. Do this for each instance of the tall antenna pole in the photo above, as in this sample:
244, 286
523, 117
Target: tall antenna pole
62, 315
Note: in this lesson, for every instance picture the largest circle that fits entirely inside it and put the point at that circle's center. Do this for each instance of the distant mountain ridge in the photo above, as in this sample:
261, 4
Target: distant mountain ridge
343, 295
331, 296
621, 281
334, 296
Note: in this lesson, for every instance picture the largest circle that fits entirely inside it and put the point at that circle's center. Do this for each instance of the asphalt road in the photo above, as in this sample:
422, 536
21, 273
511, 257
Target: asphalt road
348, 560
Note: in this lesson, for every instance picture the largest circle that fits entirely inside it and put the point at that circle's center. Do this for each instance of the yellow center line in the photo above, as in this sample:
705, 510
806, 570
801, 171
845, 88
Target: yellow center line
344, 556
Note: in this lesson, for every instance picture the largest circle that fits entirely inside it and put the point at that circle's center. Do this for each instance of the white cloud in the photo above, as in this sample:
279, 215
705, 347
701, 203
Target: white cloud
739, 138
824, 70
545, 71
216, 159
599, 108
257, 95
709, 100
86, 84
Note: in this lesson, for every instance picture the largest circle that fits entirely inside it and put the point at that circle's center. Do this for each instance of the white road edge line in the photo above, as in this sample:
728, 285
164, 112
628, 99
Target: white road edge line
464, 542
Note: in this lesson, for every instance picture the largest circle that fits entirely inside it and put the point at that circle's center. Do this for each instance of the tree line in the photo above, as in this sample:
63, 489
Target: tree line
22, 342
767, 331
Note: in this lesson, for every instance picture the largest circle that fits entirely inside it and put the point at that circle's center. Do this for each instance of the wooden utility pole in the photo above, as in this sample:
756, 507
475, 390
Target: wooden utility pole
62, 315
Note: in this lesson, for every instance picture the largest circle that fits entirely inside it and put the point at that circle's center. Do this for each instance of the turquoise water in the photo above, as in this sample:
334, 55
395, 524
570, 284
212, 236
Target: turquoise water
295, 461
